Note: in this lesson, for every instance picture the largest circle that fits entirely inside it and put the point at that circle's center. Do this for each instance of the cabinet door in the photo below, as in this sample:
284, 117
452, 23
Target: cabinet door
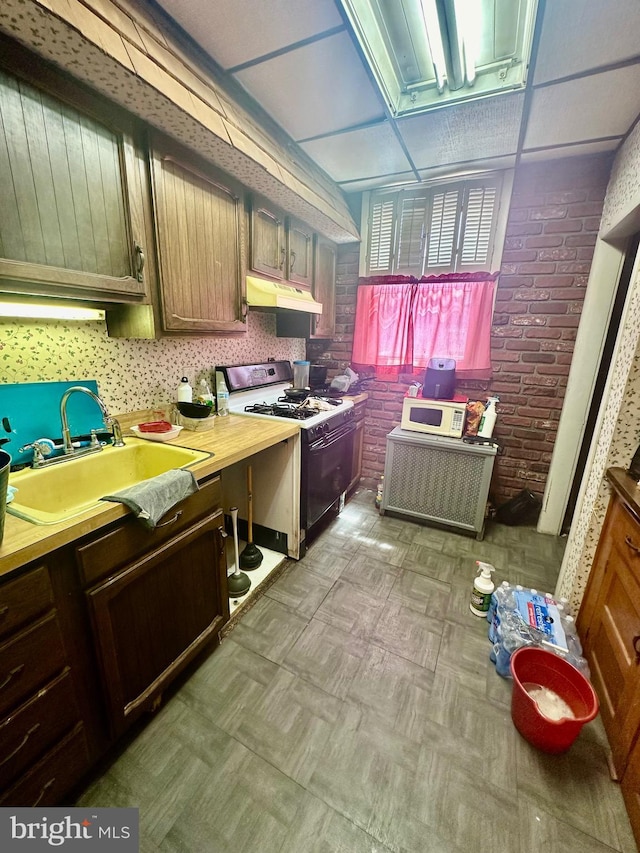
66, 224
299, 253
358, 444
612, 639
152, 618
268, 249
199, 224
324, 289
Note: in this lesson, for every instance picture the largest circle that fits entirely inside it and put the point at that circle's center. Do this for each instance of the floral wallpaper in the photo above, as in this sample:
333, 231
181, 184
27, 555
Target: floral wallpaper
619, 433
131, 374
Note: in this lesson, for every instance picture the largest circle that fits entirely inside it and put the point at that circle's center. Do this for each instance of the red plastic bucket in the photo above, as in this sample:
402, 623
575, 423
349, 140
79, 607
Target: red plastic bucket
534, 666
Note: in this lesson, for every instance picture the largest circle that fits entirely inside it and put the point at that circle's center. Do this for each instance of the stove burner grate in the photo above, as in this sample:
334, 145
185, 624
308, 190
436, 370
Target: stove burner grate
281, 410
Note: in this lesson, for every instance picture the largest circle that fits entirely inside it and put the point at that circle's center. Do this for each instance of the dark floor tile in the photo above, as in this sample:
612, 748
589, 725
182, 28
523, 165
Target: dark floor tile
408, 634
327, 657
464, 655
351, 609
540, 830
431, 563
301, 589
269, 628
419, 593
370, 570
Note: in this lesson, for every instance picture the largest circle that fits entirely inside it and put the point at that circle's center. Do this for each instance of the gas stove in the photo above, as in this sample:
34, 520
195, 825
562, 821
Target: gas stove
266, 391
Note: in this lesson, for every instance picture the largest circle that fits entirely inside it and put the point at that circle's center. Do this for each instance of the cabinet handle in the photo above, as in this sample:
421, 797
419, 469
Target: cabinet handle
172, 520
139, 261
43, 791
31, 731
630, 544
283, 255
636, 647
292, 260
15, 671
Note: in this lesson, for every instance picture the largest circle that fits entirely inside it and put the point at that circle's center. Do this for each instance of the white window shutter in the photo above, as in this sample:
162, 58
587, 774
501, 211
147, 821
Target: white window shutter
478, 226
443, 229
381, 234
412, 235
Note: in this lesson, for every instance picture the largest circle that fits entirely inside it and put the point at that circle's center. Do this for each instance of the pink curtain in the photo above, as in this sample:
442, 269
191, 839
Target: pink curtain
405, 323
382, 335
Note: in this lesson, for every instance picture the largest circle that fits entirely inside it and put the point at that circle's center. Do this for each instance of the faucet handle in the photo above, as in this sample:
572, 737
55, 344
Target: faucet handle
41, 447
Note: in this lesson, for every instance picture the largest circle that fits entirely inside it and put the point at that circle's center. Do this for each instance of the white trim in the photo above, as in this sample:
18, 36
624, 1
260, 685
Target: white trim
587, 353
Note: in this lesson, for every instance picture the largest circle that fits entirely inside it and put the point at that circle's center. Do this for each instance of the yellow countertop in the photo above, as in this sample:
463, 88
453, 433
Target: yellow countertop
230, 440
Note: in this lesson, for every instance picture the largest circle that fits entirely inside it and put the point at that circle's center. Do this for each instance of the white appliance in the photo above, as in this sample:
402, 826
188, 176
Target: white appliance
435, 417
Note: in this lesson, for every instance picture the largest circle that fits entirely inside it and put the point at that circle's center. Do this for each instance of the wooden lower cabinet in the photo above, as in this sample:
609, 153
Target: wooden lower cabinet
150, 619
91, 636
358, 444
609, 627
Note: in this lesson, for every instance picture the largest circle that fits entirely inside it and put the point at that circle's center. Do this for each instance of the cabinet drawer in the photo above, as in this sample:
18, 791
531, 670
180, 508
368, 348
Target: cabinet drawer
34, 727
129, 540
24, 598
28, 660
626, 535
49, 780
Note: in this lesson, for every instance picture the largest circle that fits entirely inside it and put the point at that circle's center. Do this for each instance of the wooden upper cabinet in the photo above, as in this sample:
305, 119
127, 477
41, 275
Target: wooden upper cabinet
71, 223
299, 253
199, 215
324, 289
268, 243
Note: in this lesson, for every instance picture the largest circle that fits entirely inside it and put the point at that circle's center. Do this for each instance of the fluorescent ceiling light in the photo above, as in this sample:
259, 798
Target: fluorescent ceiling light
43, 311
426, 54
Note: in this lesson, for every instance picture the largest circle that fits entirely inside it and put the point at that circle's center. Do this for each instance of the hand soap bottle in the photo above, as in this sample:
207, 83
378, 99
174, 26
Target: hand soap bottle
483, 586
222, 395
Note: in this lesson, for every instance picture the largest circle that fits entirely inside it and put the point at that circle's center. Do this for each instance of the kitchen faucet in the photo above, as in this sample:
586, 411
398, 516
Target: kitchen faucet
109, 420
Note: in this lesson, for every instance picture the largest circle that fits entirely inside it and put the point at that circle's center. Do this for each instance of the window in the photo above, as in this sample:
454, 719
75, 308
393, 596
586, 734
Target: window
446, 227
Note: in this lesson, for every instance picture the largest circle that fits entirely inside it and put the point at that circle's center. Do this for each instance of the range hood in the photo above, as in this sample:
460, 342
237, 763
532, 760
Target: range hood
262, 293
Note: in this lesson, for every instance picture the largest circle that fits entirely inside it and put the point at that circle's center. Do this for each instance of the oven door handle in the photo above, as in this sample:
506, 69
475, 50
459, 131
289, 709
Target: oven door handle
332, 437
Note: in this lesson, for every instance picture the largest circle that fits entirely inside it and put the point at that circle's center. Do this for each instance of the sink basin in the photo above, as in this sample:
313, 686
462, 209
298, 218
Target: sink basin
58, 493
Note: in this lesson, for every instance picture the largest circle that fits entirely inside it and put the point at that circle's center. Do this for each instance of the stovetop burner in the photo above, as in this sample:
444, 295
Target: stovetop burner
281, 410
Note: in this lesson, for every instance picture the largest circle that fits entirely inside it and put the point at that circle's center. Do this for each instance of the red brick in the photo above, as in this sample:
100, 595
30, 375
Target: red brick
542, 333
566, 197
553, 212
531, 295
513, 243
552, 370
569, 321
536, 268
506, 332
574, 267
589, 208
586, 253
509, 280
554, 281
520, 346
559, 254
562, 226
520, 255
581, 240
527, 320
557, 346
538, 358
549, 308
541, 381
516, 229
591, 224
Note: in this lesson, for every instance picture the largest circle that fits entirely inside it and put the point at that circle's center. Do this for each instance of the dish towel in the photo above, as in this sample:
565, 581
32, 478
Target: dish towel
153, 498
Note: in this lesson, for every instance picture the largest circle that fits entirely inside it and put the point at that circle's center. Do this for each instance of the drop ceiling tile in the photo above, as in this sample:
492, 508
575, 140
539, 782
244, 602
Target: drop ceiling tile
577, 36
470, 168
404, 179
316, 89
570, 150
237, 31
464, 132
366, 153
587, 108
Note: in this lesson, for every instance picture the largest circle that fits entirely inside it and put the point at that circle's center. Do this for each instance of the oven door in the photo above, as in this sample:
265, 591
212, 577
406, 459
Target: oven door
326, 473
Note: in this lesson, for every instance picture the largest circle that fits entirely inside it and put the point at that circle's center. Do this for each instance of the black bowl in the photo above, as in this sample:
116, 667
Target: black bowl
194, 410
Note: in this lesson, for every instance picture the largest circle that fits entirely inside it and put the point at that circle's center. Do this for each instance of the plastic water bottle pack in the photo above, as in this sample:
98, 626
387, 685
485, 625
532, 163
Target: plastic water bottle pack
523, 617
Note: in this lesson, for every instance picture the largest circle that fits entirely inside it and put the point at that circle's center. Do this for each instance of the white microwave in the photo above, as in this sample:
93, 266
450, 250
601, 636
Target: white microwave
436, 417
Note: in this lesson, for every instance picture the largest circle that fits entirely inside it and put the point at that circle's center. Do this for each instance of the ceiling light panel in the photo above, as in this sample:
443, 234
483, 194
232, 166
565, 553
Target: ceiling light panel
426, 54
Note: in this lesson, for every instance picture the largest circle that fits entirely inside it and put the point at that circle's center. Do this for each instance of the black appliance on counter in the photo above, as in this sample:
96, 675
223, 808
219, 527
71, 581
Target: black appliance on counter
326, 433
440, 379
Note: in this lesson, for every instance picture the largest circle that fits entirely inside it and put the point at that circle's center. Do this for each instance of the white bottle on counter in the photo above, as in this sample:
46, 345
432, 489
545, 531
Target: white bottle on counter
222, 395
185, 391
488, 420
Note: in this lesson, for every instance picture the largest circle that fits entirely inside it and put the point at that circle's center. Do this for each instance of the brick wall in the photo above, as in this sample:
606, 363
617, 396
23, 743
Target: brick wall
553, 223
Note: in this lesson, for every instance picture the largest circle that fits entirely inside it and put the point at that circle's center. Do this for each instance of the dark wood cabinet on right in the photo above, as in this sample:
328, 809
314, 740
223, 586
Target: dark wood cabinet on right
609, 628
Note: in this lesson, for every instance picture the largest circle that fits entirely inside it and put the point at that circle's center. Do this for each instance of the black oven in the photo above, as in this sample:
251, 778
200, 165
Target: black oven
326, 463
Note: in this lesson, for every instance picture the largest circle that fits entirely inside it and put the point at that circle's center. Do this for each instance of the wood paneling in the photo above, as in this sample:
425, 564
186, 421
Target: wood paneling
199, 224
63, 184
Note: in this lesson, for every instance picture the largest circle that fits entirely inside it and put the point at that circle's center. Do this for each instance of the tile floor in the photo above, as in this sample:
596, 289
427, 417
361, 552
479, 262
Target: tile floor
354, 708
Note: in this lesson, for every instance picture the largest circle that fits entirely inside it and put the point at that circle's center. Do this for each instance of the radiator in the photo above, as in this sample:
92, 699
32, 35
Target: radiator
442, 480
